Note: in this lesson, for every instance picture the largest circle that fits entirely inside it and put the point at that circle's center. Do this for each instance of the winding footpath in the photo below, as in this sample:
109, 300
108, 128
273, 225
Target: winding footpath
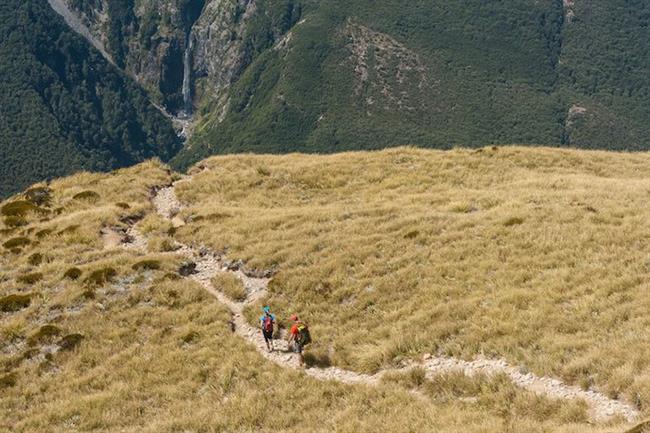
208, 264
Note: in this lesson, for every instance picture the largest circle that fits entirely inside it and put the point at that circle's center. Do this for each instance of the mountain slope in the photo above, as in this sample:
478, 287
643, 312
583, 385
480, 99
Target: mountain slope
65, 108
437, 74
533, 256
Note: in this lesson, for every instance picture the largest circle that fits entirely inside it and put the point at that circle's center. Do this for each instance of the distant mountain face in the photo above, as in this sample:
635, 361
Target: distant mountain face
313, 76
65, 108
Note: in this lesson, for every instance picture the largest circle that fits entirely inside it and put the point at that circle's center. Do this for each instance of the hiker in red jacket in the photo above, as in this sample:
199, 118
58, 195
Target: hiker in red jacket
299, 336
267, 322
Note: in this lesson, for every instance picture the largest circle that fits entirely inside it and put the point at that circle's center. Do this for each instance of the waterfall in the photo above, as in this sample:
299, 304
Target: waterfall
187, 76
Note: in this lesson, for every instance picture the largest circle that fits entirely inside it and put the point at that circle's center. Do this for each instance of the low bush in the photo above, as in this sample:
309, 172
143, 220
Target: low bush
15, 302
123, 205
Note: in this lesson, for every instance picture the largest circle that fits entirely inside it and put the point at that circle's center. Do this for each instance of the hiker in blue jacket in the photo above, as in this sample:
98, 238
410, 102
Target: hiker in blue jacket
267, 323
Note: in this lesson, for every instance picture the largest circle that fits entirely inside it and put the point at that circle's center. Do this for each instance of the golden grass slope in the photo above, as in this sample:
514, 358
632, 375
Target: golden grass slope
387, 254
539, 256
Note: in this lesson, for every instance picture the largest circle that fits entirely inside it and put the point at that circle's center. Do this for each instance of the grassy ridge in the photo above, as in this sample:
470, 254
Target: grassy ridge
535, 255
141, 350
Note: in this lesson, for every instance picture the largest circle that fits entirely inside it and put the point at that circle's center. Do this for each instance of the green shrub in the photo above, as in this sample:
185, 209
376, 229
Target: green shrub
15, 302
72, 274
15, 221
8, 380
17, 208
89, 293
86, 196
35, 259
39, 196
70, 341
101, 276
149, 265
32, 278
45, 333
18, 242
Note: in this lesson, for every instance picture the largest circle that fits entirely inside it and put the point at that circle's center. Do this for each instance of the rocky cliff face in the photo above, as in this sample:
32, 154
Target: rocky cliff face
151, 40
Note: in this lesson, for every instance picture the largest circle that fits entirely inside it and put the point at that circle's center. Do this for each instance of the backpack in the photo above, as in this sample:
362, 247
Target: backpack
304, 337
268, 324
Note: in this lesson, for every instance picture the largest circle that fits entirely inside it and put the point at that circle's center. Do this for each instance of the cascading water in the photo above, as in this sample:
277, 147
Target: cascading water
187, 77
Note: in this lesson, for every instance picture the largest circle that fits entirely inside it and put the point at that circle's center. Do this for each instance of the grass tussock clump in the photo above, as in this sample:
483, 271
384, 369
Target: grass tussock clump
35, 259
230, 285
43, 233
101, 276
17, 242
90, 196
17, 208
72, 274
15, 302
44, 334
70, 341
32, 278
147, 265
15, 221
8, 380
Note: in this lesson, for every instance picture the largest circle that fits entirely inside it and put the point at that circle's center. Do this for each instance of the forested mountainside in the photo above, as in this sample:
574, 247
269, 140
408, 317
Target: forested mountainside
304, 75
65, 108
370, 74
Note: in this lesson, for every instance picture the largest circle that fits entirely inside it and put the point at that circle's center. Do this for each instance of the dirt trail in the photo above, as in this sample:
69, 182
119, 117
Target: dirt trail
209, 263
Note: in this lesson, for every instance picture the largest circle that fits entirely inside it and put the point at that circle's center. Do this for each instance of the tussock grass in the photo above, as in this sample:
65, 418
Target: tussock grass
32, 278
154, 353
15, 302
18, 242
230, 285
532, 255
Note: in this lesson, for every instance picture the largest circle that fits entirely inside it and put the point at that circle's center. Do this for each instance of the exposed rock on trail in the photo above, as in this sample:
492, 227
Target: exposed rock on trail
206, 264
